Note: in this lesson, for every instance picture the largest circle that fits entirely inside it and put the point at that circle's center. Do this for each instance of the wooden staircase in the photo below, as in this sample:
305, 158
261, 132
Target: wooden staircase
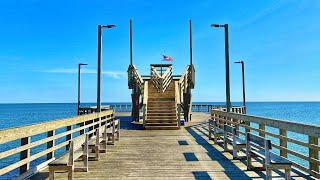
161, 111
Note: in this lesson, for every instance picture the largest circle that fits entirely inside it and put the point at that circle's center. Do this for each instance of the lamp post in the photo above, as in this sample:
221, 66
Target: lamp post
79, 67
100, 27
243, 86
228, 103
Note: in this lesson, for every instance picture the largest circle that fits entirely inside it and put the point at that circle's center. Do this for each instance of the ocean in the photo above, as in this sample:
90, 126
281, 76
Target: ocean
12, 115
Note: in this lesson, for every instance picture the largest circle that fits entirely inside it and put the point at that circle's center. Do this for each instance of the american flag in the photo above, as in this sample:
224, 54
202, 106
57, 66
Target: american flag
167, 58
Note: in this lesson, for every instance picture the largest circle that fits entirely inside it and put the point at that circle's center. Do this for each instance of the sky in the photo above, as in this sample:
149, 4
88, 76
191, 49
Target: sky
41, 43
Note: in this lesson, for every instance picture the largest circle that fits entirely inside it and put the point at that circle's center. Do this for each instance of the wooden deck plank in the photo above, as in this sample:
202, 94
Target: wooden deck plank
167, 154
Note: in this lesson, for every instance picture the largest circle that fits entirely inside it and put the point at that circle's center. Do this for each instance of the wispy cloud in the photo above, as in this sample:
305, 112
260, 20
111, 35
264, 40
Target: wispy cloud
112, 74
277, 5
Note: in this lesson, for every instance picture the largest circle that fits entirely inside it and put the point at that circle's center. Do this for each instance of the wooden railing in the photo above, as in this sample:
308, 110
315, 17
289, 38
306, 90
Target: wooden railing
287, 137
161, 82
166, 78
145, 103
177, 102
137, 78
47, 137
183, 81
156, 79
183, 84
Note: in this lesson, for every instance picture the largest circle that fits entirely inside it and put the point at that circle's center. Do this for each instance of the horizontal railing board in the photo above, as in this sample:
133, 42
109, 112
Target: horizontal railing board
14, 133
308, 129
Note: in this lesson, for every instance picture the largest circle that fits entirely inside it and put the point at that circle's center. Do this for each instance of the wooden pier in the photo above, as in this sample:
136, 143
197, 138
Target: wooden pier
186, 153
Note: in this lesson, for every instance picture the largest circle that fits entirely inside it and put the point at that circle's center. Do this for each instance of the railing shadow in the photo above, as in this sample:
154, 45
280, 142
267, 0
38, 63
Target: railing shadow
231, 170
213, 153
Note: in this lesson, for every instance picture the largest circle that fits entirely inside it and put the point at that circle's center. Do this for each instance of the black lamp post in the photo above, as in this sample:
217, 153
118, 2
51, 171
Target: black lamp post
79, 67
100, 27
228, 103
243, 86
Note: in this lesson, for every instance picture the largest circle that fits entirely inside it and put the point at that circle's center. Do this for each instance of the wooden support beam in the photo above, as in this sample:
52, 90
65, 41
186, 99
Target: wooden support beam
313, 154
263, 128
283, 143
69, 136
50, 144
25, 154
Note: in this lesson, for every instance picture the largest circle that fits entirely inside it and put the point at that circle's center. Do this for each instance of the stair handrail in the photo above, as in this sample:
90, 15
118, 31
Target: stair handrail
167, 78
156, 79
177, 102
145, 103
183, 82
137, 77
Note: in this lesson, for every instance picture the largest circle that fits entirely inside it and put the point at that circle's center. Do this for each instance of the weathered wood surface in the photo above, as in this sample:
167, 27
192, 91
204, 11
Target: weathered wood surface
172, 154
312, 131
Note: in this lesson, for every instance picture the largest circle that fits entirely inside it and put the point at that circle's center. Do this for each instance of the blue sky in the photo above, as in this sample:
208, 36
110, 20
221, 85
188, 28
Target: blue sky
41, 43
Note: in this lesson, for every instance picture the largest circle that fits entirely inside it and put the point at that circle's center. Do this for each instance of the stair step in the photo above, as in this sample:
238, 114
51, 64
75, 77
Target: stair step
162, 117
161, 114
158, 110
162, 99
161, 124
165, 106
161, 121
161, 127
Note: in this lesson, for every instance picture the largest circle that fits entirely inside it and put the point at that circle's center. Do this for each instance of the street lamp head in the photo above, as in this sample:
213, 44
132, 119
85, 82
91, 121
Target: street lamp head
109, 26
82, 64
239, 62
216, 25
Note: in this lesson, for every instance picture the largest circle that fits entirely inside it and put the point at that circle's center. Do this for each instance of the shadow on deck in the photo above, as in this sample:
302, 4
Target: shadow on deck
167, 154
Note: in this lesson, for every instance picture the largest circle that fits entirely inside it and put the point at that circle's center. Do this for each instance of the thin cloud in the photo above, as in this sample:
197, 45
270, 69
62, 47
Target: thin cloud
263, 13
113, 74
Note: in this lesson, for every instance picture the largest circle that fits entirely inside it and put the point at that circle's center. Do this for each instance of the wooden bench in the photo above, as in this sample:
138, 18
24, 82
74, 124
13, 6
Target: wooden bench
113, 128
66, 161
230, 136
98, 142
94, 143
215, 130
270, 160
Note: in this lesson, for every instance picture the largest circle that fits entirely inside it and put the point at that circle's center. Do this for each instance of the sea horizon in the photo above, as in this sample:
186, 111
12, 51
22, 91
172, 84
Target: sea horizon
192, 102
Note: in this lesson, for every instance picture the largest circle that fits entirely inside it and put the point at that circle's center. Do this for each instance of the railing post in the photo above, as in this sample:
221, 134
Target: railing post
247, 126
237, 126
144, 116
185, 84
283, 143
179, 115
313, 153
161, 84
262, 127
25, 154
69, 136
50, 144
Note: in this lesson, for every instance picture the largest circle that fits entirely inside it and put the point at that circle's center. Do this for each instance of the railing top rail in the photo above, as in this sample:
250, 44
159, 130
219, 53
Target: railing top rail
7, 135
177, 94
160, 65
308, 129
167, 71
184, 74
155, 71
138, 74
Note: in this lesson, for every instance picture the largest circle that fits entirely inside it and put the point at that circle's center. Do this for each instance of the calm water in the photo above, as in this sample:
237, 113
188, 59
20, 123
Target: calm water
12, 115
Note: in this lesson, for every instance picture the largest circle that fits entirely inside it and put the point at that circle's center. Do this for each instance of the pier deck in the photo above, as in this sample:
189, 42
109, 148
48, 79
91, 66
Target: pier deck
170, 154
